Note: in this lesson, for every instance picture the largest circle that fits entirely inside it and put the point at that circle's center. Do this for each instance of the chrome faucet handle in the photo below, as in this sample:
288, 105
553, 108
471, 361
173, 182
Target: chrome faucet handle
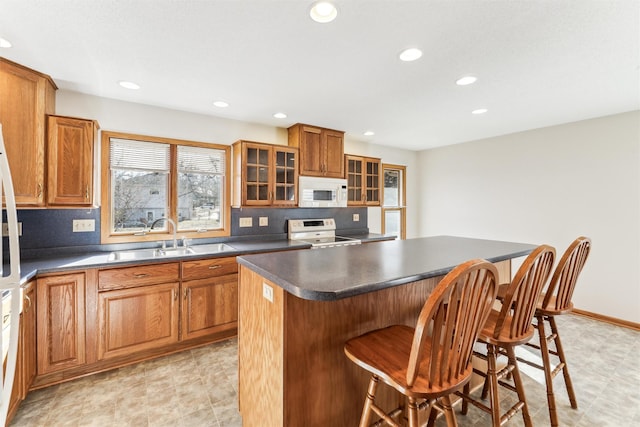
186, 242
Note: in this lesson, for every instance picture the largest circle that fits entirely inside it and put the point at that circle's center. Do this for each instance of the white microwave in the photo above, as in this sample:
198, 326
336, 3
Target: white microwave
314, 192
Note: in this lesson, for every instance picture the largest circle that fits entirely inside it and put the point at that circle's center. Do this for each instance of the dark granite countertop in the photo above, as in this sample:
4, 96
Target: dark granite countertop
341, 272
55, 263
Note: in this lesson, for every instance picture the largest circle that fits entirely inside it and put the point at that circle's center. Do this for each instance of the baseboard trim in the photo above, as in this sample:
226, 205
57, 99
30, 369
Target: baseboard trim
607, 319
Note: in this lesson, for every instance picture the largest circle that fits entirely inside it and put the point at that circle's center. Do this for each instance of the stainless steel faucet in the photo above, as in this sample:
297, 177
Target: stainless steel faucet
173, 224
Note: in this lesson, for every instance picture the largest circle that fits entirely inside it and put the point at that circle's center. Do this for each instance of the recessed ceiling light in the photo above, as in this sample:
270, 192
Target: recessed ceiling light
466, 80
280, 115
369, 133
4, 42
479, 111
323, 12
129, 85
410, 54
221, 104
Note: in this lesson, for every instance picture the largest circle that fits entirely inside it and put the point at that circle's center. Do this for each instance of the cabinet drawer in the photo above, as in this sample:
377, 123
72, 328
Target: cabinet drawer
203, 268
139, 275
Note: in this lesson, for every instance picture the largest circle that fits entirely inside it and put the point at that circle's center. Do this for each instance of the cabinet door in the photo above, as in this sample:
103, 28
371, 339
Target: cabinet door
257, 172
61, 322
333, 145
373, 179
137, 319
70, 161
312, 152
285, 177
354, 180
28, 336
25, 97
209, 305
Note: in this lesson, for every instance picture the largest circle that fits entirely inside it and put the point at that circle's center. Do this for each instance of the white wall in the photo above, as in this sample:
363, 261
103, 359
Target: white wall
141, 119
549, 185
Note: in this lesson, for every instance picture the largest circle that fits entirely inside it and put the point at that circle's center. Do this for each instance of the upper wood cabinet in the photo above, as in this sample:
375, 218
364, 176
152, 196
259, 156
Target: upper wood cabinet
264, 174
70, 167
364, 180
321, 150
26, 97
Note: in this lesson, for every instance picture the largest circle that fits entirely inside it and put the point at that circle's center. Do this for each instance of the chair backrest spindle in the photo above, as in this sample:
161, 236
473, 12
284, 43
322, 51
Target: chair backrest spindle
519, 304
454, 314
560, 291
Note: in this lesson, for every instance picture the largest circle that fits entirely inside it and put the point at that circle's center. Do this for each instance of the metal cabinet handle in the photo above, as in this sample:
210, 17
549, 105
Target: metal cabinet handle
86, 194
140, 275
175, 295
213, 267
40, 190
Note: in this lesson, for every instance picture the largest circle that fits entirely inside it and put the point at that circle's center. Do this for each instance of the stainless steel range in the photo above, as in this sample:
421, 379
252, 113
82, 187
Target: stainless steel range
320, 233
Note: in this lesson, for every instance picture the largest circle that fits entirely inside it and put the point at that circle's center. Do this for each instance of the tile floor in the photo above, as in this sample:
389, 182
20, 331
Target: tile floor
199, 388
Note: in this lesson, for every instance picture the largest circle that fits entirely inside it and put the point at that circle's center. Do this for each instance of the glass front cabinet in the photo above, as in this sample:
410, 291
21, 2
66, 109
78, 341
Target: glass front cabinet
364, 178
265, 174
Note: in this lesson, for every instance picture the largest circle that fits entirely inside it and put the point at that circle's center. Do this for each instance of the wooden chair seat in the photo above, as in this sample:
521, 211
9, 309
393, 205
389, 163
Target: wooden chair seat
554, 302
428, 363
389, 361
507, 328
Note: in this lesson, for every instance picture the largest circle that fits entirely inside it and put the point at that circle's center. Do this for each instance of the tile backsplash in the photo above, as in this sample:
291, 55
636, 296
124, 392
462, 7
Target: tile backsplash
53, 228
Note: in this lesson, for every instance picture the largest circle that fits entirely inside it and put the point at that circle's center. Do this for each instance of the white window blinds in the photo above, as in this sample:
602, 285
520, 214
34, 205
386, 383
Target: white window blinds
201, 160
139, 155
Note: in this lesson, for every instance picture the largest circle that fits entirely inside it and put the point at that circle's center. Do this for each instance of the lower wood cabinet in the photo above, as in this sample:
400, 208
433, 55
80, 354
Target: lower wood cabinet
99, 319
209, 305
26, 357
61, 322
137, 319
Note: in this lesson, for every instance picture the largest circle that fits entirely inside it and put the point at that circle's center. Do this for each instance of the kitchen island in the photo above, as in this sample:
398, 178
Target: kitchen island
297, 309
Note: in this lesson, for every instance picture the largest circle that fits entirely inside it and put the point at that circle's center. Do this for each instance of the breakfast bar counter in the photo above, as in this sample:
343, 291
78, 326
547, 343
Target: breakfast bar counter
298, 308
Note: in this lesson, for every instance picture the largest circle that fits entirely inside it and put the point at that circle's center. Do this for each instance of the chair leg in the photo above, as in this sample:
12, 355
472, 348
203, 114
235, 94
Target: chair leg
369, 401
448, 411
465, 405
517, 379
492, 377
433, 413
413, 413
563, 360
546, 364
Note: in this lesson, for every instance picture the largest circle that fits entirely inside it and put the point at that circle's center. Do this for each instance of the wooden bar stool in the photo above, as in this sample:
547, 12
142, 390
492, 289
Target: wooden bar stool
507, 328
428, 363
554, 302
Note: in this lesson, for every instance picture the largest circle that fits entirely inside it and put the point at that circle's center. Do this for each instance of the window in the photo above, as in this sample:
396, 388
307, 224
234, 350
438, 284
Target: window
147, 179
393, 202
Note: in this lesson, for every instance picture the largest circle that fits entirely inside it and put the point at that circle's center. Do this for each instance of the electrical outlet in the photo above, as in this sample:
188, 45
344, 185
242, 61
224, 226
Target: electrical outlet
246, 221
84, 225
264, 221
5, 229
356, 217
267, 292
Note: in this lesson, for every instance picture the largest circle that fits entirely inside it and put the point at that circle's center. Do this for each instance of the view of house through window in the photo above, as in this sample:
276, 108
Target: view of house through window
153, 179
393, 202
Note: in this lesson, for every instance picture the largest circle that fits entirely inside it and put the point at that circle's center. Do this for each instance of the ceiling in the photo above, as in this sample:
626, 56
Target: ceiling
538, 62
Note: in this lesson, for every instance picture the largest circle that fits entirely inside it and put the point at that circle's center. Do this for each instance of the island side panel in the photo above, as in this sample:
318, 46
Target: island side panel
260, 352
322, 386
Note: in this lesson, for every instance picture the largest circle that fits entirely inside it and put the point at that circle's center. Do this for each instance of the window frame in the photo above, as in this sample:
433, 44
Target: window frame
106, 234
402, 205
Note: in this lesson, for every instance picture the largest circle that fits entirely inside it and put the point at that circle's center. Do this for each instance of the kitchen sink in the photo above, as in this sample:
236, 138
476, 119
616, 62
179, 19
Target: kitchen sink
211, 248
142, 254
